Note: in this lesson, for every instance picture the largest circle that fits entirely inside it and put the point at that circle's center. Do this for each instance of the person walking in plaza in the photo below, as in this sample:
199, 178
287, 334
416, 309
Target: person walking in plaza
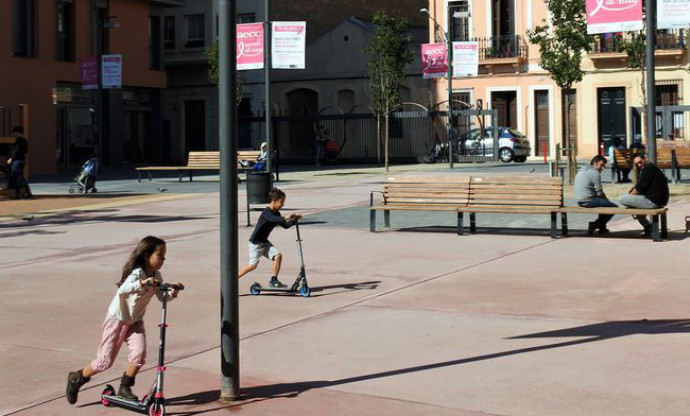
590, 193
319, 144
650, 192
17, 162
124, 320
259, 245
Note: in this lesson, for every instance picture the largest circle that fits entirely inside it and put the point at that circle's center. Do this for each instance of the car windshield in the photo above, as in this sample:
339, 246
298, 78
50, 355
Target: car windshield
516, 133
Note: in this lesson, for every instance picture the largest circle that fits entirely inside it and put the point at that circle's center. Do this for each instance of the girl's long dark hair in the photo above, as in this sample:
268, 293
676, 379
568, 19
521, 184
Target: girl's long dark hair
144, 250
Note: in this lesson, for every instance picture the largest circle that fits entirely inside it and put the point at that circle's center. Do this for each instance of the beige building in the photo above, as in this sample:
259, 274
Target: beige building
511, 80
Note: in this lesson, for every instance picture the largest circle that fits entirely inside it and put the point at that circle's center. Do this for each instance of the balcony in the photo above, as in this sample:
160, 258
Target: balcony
608, 46
502, 50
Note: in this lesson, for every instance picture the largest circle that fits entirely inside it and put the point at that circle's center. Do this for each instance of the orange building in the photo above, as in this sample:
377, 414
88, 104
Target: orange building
42, 44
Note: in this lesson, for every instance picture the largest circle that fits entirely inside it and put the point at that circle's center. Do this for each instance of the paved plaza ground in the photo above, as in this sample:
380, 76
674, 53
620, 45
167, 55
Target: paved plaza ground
416, 321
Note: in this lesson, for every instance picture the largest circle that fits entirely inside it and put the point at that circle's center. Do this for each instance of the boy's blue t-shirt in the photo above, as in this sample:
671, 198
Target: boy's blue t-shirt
267, 222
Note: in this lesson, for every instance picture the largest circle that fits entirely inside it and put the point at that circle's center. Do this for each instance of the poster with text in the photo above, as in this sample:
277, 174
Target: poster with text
250, 46
672, 14
288, 41
111, 71
606, 16
465, 59
89, 73
434, 60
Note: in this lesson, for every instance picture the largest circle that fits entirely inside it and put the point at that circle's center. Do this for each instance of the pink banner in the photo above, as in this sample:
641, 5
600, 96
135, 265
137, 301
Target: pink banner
89, 73
605, 16
434, 60
250, 46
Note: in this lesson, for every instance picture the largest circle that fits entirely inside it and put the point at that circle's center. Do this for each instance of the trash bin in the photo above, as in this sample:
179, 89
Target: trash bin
259, 184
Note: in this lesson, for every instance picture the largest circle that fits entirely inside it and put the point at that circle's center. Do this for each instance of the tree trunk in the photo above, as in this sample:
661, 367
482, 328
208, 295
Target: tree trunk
378, 140
385, 136
572, 158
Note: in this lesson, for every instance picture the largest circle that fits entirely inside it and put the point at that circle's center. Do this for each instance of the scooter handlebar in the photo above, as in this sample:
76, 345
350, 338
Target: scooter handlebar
166, 286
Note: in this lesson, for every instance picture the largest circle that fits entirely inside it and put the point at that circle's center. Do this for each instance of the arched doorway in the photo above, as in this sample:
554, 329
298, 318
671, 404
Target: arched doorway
302, 108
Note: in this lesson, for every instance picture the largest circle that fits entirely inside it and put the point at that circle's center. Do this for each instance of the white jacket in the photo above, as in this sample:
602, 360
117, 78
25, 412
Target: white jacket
131, 299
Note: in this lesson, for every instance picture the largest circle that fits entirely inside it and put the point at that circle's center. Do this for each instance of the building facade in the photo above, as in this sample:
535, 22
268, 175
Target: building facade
511, 80
42, 44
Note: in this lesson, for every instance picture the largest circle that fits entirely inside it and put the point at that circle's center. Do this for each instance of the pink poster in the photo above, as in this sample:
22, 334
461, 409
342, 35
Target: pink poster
434, 60
89, 73
250, 46
605, 16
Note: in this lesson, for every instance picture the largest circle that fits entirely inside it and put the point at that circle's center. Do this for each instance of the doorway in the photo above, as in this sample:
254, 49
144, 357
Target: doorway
506, 104
542, 128
611, 115
194, 125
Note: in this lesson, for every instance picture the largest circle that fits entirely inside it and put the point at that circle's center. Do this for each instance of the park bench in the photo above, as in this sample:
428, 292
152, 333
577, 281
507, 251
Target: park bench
419, 193
513, 194
658, 215
199, 161
622, 159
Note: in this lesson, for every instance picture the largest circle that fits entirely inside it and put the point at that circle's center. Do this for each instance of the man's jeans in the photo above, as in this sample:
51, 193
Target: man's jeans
638, 201
599, 202
17, 175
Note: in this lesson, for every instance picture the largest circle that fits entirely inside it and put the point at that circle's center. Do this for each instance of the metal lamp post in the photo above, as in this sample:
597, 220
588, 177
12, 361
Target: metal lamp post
446, 39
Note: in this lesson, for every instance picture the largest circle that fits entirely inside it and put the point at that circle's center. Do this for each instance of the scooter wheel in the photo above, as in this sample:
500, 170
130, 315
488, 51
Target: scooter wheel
156, 410
255, 289
304, 291
109, 391
71, 190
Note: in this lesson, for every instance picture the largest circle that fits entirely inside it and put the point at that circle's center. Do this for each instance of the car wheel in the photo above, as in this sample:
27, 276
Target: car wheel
521, 159
506, 155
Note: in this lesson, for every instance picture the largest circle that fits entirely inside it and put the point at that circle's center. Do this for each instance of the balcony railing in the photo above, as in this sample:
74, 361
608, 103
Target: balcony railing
508, 46
612, 42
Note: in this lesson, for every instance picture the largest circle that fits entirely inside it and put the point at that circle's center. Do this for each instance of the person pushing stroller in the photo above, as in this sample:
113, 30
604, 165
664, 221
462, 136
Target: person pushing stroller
259, 245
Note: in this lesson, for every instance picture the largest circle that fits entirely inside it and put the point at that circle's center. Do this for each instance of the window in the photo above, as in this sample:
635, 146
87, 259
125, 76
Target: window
169, 30
195, 31
24, 28
64, 38
154, 42
460, 21
246, 17
346, 100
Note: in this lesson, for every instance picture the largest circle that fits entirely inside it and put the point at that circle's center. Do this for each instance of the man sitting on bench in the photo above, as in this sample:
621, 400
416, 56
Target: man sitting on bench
590, 194
650, 192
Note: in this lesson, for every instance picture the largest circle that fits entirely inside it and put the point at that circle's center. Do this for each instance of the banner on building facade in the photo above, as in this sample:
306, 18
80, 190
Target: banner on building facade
111, 71
465, 59
250, 46
434, 60
89, 73
672, 14
605, 16
288, 41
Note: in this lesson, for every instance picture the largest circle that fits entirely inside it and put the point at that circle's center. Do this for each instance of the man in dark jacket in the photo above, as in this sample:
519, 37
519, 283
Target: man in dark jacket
650, 192
17, 162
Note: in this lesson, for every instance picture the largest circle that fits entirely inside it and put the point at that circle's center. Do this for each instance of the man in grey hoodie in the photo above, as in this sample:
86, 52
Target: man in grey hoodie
589, 193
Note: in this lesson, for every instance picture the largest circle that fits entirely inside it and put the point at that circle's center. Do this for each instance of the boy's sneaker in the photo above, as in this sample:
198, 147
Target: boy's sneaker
276, 284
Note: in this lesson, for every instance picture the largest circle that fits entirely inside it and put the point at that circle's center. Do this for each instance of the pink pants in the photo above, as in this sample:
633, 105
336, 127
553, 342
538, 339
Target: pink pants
115, 332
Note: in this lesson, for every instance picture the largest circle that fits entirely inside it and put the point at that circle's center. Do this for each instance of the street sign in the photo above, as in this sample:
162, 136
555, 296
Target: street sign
89, 73
606, 16
673, 14
111, 71
465, 59
250, 46
434, 60
288, 41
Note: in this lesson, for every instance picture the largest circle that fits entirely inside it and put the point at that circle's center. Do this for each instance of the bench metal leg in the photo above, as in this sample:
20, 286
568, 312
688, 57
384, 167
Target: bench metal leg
387, 218
139, 173
564, 224
372, 220
664, 227
655, 228
554, 225
190, 176
179, 175
473, 223
150, 176
249, 221
460, 222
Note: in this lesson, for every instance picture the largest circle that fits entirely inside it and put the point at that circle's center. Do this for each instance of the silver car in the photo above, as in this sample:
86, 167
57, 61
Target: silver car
512, 145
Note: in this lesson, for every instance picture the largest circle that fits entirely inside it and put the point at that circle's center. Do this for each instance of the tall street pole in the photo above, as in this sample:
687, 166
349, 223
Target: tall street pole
267, 82
449, 57
651, 81
227, 95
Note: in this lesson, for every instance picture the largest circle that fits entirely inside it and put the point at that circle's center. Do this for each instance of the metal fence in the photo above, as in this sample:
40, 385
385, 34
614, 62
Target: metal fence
412, 135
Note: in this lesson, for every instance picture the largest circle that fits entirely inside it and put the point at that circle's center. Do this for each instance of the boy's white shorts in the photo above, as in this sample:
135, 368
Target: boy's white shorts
267, 250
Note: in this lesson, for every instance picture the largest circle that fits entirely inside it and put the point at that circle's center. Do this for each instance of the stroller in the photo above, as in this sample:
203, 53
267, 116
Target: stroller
86, 180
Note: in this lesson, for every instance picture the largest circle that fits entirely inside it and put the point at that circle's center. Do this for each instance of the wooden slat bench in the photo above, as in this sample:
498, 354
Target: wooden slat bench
199, 161
622, 159
419, 193
513, 194
658, 215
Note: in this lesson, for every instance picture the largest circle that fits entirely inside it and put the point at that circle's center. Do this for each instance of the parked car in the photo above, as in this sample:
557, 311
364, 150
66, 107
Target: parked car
512, 145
